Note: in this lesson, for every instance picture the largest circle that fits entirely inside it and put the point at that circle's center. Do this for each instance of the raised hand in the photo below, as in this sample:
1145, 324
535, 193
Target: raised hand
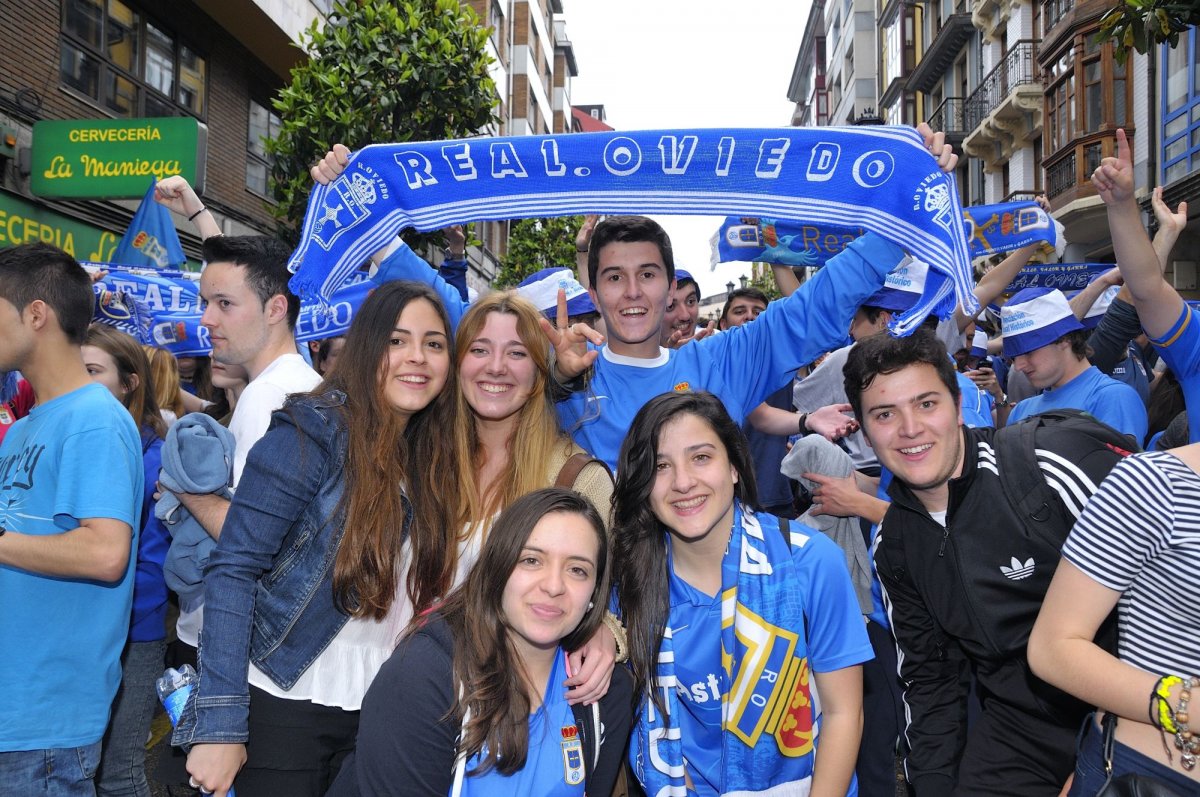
570, 341
584, 236
326, 170
1113, 178
177, 195
938, 148
1168, 221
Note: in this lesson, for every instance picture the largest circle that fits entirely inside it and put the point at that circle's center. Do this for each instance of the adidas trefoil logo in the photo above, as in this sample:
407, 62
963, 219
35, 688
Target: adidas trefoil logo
1019, 569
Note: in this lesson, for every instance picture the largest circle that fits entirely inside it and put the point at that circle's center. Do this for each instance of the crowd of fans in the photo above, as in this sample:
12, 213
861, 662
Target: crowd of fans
566, 538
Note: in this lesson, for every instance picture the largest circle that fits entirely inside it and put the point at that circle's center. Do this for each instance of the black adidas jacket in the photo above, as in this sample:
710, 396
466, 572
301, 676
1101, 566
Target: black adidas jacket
965, 597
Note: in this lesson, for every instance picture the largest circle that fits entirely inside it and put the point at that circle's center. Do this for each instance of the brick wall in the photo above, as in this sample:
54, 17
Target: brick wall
29, 57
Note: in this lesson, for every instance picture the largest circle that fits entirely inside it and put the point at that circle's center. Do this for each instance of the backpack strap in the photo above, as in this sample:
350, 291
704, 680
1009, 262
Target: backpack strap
572, 468
1020, 475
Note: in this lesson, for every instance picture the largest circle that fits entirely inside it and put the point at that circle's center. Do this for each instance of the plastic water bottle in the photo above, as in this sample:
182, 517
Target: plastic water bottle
174, 688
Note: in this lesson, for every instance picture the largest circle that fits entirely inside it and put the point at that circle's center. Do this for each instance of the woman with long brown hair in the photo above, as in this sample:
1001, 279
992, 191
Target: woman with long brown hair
472, 702
336, 537
117, 361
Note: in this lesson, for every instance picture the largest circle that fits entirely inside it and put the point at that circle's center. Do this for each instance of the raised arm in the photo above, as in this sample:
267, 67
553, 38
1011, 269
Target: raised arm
993, 283
178, 196
1159, 306
1170, 225
785, 278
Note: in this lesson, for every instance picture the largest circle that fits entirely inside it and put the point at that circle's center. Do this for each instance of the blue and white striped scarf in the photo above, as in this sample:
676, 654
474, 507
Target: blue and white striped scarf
769, 724
880, 178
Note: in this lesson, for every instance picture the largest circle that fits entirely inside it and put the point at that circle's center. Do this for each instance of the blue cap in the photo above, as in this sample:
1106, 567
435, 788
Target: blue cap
902, 287
1035, 317
541, 288
979, 344
1092, 319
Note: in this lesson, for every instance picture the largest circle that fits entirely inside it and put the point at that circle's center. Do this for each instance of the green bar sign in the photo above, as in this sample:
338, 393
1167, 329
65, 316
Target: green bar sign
22, 222
103, 158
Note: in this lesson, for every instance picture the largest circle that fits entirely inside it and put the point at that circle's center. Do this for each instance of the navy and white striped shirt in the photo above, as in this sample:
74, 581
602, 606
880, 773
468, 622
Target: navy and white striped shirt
1140, 536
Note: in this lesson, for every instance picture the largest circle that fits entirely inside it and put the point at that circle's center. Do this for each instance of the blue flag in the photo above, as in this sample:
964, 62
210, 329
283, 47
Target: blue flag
881, 178
151, 240
989, 229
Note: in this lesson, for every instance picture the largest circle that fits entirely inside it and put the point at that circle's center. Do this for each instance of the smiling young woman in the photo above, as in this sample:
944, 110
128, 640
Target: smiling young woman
473, 702
731, 614
335, 539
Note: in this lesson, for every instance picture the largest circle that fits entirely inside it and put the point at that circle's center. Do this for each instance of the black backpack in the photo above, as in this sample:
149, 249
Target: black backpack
1076, 436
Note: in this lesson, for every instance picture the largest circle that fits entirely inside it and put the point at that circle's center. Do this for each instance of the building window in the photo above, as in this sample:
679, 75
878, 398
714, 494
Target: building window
264, 124
1086, 91
1180, 107
129, 64
496, 23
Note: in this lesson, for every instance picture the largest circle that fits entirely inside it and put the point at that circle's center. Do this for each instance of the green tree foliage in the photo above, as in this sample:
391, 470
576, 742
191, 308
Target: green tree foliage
379, 71
535, 244
1142, 24
764, 280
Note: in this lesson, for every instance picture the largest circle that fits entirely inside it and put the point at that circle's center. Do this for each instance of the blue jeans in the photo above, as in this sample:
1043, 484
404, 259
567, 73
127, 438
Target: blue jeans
123, 762
1090, 776
59, 772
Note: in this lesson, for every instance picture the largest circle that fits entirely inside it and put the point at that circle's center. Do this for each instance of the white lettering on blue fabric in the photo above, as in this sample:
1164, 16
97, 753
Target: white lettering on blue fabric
418, 171
724, 155
873, 169
770, 157
554, 167
458, 158
674, 150
622, 156
822, 162
505, 162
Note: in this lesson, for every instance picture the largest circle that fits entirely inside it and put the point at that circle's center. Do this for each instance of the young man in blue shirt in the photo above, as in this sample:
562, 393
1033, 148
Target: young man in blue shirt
70, 494
1049, 345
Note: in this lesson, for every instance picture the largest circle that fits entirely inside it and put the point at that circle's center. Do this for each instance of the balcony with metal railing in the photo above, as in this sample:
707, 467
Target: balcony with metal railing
950, 117
1006, 109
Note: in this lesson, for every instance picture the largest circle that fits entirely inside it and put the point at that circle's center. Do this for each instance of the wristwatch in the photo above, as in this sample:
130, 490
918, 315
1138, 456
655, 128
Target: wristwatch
454, 257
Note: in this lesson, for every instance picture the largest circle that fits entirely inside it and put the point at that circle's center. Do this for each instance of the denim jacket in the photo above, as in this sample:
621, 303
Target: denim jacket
269, 581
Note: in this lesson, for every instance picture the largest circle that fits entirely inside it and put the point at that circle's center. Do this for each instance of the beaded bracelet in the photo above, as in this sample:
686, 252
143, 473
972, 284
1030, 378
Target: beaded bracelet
1186, 742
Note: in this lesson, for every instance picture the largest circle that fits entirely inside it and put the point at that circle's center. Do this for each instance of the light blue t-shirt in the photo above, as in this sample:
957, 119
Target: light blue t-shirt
75, 457
554, 766
1106, 399
1180, 348
741, 366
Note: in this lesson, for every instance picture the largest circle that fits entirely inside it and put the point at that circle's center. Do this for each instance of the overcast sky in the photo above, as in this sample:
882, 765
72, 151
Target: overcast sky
687, 63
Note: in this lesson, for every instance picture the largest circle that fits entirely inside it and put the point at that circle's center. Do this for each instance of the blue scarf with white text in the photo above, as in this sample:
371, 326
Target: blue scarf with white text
880, 178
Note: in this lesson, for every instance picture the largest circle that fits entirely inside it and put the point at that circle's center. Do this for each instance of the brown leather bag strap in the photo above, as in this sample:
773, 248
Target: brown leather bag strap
571, 469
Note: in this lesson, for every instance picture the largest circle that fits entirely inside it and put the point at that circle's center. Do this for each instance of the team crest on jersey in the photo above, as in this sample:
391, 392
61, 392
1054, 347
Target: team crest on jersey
572, 750
683, 387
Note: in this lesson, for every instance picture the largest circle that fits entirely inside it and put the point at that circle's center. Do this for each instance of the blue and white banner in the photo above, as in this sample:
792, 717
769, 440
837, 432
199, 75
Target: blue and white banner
121, 310
171, 308
1064, 276
1009, 225
151, 239
173, 301
317, 322
989, 229
881, 178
